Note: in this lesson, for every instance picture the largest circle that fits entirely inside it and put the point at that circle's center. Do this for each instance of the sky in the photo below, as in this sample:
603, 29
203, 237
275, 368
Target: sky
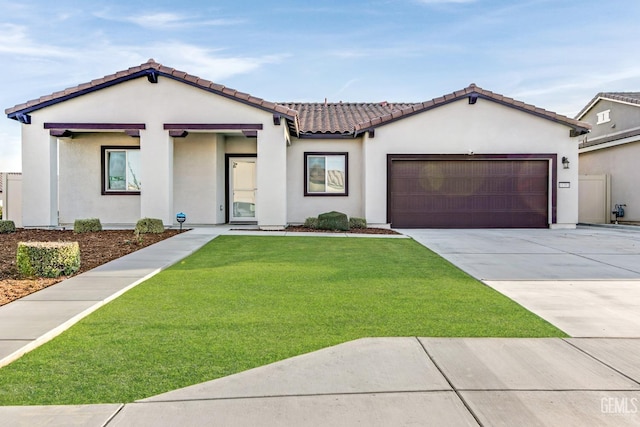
555, 54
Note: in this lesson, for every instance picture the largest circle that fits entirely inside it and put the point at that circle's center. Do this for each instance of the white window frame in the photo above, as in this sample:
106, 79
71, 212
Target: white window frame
603, 117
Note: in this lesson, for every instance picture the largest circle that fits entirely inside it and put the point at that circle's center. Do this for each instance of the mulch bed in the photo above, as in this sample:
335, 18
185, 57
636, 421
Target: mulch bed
95, 249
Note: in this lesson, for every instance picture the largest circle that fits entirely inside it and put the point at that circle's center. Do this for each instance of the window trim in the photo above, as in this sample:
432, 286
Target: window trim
346, 174
103, 170
603, 116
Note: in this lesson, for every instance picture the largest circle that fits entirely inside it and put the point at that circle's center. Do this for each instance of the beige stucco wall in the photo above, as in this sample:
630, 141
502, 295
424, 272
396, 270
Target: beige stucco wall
621, 163
80, 183
300, 206
458, 128
195, 177
138, 101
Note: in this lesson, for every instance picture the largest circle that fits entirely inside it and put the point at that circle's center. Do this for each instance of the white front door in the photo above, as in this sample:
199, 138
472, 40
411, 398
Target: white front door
242, 188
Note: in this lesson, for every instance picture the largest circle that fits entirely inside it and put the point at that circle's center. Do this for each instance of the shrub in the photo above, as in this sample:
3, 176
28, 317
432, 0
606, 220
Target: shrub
48, 259
149, 225
333, 221
311, 222
7, 226
0, 212
357, 223
87, 225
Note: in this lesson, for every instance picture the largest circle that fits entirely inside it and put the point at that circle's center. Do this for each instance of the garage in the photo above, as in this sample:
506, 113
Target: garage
468, 191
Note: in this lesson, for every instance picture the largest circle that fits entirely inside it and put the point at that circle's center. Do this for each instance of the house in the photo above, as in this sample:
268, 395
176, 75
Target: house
152, 141
611, 151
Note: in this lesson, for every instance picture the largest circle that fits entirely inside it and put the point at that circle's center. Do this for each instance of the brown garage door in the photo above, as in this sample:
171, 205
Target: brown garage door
468, 193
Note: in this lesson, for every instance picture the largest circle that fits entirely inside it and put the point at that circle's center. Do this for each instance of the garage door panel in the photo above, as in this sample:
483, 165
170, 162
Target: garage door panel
464, 194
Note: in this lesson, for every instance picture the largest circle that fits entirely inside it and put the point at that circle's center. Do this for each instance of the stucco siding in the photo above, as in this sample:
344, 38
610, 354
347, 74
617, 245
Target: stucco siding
621, 163
138, 101
300, 206
195, 177
80, 186
460, 128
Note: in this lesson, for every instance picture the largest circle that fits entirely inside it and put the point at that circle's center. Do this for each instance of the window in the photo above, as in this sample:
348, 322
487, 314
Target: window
325, 174
121, 170
603, 117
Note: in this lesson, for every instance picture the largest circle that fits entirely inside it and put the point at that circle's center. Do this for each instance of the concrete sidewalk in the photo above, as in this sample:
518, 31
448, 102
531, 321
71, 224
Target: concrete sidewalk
397, 381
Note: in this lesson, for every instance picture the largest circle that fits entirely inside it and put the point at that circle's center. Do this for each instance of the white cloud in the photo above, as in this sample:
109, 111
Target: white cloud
14, 40
207, 63
167, 20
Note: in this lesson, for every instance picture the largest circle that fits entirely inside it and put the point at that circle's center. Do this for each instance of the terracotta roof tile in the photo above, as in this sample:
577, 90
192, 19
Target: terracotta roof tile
338, 118
347, 119
150, 64
472, 88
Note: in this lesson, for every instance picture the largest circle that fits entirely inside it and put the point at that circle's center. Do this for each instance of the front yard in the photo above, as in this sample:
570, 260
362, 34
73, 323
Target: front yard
242, 302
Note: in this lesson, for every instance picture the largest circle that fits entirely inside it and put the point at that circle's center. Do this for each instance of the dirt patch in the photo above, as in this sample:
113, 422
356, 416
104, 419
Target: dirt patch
95, 249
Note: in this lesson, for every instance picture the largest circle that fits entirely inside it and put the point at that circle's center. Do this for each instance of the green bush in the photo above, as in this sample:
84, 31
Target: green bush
149, 225
87, 225
358, 223
7, 226
0, 212
333, 221
48, 259
311, 222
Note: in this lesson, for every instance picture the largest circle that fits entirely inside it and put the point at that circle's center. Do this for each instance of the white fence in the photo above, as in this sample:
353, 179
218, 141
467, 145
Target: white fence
12, 197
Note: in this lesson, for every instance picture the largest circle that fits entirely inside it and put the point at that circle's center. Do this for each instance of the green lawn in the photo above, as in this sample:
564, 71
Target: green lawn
242, 302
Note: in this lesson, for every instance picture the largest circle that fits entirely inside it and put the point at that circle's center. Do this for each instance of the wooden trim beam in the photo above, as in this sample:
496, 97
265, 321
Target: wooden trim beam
96, 126
213, 126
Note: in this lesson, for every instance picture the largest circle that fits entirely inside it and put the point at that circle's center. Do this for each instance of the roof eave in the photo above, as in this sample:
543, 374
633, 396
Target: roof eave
577, 127
17, 112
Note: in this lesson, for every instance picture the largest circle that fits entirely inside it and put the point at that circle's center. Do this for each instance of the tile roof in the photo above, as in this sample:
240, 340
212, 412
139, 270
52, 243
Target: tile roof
143, 70
307, 119
339, 118
475, 91
629, 97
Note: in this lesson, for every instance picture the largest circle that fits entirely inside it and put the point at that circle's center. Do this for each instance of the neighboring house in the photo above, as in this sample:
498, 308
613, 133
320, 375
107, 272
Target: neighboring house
152, 141
612, 150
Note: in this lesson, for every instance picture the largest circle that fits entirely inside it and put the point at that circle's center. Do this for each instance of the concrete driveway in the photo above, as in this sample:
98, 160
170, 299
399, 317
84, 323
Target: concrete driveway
584, 281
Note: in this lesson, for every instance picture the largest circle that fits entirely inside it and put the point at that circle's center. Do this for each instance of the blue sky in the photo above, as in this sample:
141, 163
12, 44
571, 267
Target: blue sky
556, 54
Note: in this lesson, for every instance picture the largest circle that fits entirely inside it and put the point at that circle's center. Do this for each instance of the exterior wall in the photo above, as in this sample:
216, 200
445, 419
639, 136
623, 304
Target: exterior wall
300, 206
271, 170
80, 181
11, 197
195, 177
460, 128
138, 101
39, 175
621, 163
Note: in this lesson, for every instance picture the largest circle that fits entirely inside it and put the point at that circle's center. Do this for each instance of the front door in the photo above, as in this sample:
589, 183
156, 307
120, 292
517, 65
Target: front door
242, 189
